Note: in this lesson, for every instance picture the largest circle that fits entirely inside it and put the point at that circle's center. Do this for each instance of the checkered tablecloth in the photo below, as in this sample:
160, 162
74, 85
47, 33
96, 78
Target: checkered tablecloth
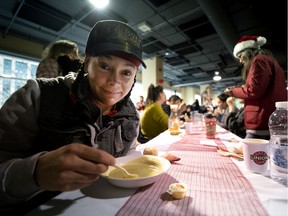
216, 186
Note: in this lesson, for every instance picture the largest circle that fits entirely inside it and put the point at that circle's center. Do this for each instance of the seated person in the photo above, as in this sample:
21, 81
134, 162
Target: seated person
154, 120
60, 58
68, 64
235, 119
175, 99
166, 108
224, 109
186, 114
140, 105
195, 106
51, 129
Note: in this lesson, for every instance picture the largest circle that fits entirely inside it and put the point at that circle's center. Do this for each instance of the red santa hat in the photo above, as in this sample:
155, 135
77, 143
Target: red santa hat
249, 42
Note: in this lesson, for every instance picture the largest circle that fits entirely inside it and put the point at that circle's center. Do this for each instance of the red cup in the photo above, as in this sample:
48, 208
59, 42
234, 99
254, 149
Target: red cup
210, 125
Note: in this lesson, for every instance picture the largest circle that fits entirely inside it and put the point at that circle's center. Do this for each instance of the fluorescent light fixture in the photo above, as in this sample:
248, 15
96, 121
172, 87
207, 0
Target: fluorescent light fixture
217, 77
144, 27
99, 3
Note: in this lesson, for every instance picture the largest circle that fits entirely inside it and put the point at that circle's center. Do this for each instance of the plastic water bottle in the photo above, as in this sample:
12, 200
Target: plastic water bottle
279, 143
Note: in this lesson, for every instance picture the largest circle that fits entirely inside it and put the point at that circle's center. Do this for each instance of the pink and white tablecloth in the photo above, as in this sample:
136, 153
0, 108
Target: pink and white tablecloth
216, 185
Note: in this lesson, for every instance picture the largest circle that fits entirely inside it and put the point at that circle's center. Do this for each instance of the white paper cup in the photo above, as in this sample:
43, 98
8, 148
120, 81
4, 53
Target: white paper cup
256, 154
188, 127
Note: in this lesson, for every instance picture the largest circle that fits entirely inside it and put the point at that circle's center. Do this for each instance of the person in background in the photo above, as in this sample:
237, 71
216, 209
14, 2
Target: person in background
57, 135
264, 85
235, 118
175, 99
223, 109
140, 105
186, 114
154, 120
59, 58
67, 64
195, 106
166, 107
206, 95
208, 106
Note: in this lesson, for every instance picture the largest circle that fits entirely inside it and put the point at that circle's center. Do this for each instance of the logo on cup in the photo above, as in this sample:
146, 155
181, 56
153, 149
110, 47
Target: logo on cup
259, 157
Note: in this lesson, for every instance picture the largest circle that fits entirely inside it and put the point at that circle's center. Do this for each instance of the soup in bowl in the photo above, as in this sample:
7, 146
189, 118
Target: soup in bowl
145, 169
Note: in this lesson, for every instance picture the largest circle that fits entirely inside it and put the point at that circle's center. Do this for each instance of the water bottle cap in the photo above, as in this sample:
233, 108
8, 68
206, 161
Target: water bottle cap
281, 104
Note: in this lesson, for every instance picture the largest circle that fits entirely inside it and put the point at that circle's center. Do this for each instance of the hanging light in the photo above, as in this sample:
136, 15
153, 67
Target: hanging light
144, 27
100, 3
217, 77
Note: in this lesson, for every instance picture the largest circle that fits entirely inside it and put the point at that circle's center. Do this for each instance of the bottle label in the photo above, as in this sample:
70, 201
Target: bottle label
277, 169
279, 160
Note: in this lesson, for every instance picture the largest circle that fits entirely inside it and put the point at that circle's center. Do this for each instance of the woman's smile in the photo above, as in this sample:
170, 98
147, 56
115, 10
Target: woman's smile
110, 92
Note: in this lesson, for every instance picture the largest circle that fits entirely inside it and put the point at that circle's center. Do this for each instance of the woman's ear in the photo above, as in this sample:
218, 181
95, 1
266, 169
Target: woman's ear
86, 63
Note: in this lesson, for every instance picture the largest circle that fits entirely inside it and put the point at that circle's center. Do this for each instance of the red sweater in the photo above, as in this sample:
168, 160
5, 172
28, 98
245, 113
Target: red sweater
264, 86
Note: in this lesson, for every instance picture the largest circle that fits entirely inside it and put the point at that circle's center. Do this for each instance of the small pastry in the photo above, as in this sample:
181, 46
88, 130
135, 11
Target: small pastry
171, 157
150, 151
177, 190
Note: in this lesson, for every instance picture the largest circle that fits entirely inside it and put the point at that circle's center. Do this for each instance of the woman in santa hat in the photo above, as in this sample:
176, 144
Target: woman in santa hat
264, 85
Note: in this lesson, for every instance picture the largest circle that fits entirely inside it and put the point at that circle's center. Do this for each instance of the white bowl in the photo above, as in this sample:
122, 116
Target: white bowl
137, 182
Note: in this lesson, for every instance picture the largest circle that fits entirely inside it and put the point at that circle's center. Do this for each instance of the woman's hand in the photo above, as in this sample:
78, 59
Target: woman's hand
71, 167
217, 112
181, 108
230, 103
229, 91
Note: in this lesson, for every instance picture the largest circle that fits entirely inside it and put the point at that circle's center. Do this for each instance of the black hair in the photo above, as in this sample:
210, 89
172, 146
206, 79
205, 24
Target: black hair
174, 98
223, 97
68, 64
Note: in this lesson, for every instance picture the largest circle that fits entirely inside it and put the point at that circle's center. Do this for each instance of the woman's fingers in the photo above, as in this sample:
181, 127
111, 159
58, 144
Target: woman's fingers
71, 165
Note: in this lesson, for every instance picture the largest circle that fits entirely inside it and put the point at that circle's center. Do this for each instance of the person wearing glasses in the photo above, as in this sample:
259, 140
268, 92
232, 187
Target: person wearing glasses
264, 84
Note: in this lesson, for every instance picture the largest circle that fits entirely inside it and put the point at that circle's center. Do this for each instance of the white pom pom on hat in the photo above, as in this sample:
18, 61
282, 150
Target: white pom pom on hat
249, 42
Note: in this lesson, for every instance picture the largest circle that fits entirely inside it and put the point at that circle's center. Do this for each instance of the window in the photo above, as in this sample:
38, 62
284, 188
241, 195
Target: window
14, 73
6, 88
33, 70
7, 66
21, 69
136, 92
19, 84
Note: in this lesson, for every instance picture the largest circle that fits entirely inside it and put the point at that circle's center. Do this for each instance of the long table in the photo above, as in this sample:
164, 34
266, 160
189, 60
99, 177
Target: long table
102, 198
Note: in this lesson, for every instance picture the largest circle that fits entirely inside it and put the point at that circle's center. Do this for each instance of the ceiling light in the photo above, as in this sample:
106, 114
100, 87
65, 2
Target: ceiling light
100, 3
217, 77
144, 27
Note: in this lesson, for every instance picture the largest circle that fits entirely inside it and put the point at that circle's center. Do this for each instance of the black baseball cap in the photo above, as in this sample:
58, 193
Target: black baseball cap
112, 37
